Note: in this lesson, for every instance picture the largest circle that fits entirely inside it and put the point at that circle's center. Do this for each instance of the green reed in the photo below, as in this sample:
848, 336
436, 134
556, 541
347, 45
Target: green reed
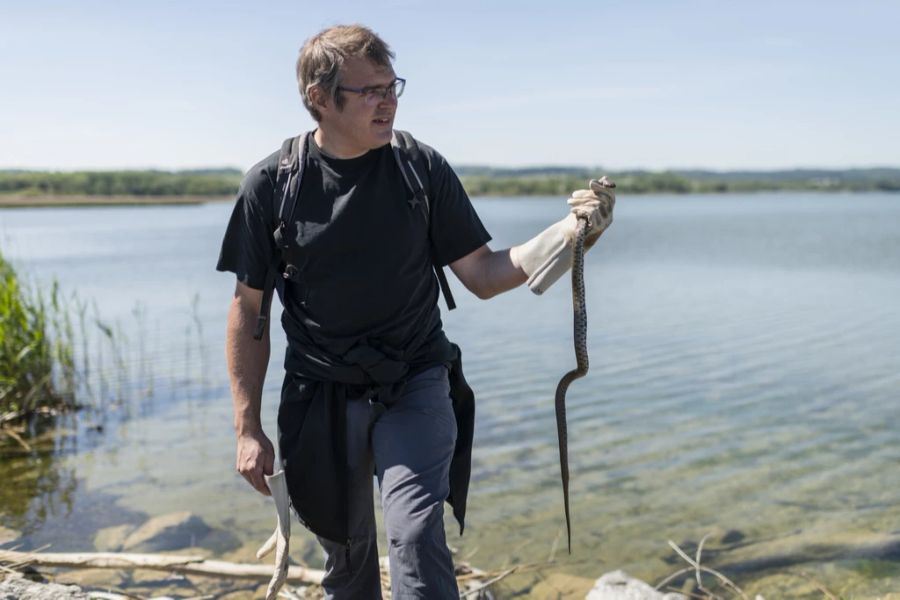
37, 367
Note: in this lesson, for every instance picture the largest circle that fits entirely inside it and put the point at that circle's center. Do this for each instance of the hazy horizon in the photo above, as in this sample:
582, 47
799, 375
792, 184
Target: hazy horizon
651, 86
461, 167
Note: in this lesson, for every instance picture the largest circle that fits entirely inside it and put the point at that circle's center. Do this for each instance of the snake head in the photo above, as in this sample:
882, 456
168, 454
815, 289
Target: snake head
599, 185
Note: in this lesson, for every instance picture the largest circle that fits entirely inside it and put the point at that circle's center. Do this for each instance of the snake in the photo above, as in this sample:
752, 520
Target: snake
581, 360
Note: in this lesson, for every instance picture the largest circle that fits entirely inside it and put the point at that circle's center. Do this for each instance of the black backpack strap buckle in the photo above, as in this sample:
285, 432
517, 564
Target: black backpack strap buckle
291, 272
280, 236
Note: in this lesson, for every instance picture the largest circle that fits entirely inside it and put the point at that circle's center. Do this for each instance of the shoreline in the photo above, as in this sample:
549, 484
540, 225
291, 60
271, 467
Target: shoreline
83, 200
86, 200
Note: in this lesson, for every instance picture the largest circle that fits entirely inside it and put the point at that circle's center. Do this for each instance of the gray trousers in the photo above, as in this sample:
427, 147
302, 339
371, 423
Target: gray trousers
408, 447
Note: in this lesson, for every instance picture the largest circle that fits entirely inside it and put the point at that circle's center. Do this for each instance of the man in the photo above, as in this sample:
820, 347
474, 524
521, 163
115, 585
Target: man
372, 384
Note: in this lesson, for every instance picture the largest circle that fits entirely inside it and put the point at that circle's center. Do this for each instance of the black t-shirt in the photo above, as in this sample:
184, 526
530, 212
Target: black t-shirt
361, 247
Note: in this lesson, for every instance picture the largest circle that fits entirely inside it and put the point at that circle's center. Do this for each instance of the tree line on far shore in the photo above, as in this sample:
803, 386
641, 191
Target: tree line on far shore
213, 182
478, 181
554, 181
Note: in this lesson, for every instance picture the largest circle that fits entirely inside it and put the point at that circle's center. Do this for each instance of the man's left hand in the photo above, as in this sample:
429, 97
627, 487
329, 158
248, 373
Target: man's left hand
547, 256
596, 205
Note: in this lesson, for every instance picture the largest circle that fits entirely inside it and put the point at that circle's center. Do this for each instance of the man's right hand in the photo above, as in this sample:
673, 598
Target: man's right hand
255, 459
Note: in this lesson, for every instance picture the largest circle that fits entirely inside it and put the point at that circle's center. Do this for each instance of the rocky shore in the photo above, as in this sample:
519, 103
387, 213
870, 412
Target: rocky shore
110, 574
611, 586
178, 555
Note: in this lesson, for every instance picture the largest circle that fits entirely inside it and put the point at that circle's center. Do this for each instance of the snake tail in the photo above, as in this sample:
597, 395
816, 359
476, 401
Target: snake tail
581, 359
562, 432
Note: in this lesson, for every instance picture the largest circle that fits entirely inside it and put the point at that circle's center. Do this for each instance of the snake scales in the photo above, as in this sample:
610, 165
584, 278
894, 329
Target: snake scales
581, 360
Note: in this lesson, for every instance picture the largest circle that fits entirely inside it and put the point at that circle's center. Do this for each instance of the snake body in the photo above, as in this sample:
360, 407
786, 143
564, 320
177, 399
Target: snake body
581, 360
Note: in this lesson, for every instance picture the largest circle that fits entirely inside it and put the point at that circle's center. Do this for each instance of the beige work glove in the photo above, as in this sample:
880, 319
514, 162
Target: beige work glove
282, 535
546, 257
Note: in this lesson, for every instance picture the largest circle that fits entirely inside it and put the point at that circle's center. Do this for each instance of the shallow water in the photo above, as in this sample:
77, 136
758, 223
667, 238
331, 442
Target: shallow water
744, 376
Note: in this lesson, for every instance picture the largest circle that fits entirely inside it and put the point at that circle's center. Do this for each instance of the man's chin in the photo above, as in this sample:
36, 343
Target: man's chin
383, 134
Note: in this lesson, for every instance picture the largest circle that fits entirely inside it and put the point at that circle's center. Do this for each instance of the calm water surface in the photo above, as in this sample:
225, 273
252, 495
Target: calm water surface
745, 375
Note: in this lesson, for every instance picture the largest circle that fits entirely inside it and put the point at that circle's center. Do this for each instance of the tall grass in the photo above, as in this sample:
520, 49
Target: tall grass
37, 371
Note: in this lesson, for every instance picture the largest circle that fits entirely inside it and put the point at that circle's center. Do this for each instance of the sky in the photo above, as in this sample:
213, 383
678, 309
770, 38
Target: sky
616, 84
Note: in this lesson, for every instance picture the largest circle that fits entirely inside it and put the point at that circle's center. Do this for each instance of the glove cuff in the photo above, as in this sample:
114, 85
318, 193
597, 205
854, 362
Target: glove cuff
546, 257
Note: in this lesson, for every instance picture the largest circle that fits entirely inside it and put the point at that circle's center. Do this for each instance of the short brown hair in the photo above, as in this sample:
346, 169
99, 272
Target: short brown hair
322, 56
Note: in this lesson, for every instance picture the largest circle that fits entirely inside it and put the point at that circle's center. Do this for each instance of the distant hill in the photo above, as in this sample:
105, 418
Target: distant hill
200, 171
794, 175
193, 182
478, 181
865, 174
228, 171
485, 171
556, 180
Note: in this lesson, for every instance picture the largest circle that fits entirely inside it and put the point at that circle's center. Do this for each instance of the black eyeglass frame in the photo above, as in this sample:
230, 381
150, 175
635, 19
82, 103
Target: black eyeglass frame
374, 93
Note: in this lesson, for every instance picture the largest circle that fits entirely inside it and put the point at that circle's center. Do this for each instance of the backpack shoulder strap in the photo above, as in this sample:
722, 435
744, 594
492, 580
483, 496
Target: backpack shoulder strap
291, 161
409, 157
414, 169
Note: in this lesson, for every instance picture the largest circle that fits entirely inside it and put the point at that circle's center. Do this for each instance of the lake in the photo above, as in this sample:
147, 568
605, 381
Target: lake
744, 382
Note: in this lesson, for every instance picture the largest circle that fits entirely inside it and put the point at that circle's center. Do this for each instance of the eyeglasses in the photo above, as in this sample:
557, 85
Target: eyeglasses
374, 94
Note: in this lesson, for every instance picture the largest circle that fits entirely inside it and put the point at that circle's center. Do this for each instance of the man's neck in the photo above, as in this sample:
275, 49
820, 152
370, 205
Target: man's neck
330, 145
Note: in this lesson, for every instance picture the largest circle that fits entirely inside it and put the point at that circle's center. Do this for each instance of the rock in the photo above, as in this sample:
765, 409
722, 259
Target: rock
167, 532
93, 579
617, 585
219, 541
732, 536
17, 587
112, 539
8, 535
260, 592
810, 547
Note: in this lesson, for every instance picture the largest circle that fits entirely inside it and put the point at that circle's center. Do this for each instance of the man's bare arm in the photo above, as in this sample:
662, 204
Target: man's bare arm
247, 360
543, 259
486, 273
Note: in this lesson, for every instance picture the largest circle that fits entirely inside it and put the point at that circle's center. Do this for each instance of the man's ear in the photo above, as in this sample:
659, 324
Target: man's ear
319, 98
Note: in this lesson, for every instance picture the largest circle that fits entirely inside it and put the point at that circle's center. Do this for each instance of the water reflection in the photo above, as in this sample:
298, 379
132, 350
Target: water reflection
36, 482
120, 379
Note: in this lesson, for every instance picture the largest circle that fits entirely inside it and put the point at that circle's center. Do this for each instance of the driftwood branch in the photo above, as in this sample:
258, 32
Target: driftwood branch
472, 581
481, 587
185, 565
16, 437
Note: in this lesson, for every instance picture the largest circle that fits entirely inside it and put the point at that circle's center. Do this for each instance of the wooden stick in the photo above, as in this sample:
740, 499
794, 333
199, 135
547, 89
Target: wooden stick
186, 565
485, 585
11, 433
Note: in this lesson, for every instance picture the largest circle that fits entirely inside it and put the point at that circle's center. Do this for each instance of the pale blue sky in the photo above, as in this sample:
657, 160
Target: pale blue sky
693, 83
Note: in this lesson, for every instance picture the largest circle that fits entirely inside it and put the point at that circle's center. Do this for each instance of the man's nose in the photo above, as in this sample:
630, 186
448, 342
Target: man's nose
388, 99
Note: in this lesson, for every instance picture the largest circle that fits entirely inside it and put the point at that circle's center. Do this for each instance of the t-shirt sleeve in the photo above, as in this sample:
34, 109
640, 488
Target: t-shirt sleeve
456, 229
248, 246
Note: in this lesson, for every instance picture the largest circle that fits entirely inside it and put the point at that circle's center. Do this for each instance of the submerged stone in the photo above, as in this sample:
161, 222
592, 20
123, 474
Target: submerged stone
167, 532
811, 547
112, 539
8, 535
617, 585
732, 536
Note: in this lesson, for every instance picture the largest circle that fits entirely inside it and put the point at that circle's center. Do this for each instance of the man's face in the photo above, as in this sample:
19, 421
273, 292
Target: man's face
358, 126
